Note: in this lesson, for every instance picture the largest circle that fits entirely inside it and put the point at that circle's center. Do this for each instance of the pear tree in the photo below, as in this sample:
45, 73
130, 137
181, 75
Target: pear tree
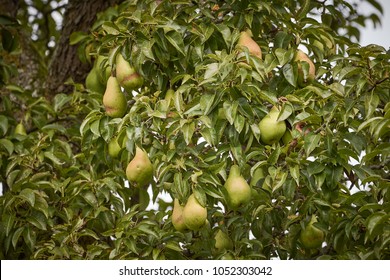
201, 130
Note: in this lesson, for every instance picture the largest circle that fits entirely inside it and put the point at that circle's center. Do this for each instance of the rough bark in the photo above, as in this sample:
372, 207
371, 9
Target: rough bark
65, 64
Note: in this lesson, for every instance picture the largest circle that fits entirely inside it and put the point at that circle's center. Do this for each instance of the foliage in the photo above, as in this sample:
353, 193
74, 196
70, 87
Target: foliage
68, 198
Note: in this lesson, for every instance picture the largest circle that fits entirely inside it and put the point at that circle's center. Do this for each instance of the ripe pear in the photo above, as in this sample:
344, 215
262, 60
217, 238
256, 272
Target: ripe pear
114, 148
302, 80
246, 40
272, 130
222, 241
114, 100
311, 237
194, 214
127, 76
20, 129
139, 171
238, 190
177, 216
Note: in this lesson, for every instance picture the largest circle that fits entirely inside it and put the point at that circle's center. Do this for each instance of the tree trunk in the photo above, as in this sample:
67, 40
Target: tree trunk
65, 64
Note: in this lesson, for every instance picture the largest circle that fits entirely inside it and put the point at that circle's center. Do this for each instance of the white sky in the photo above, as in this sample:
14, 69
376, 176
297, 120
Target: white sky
380, 35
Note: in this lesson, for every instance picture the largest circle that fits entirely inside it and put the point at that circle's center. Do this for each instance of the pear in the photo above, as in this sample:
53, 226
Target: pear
20, 129
92, 82
246, 40
302, 78
311, 237
114, 100
238, 190
222, 241
194, 214
139, 171
114, 148
272, 130
128, 78
177, 216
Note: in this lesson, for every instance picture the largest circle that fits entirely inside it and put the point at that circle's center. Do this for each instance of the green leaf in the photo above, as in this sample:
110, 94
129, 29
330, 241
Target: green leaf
311, 142
3, 125
291, 74
16, 236
111, 28
8, 145
77, 37
188, 130
53, 158
28, 195
8, 221
375, 223
176, 40
38, 220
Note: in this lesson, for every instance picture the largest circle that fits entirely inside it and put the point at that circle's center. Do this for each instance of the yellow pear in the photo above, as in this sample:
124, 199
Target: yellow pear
311, 237
222, 241
114, 100
139, 171
127, 76
177, 216
246, 40
303, 79
272, 130
194, 214
238, 190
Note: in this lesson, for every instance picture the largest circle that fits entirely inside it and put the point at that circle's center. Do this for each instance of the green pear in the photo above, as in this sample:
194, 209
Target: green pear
114, 100
92, 82
127, 76
311, 237
20, 129
139, 171
114, 148
303, 79
238, 190
222, 241
177, 216
245, 40
194, 214
272, 130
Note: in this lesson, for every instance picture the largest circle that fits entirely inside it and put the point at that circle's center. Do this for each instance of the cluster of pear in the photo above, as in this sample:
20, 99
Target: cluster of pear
271, 128
191, 216
114, 100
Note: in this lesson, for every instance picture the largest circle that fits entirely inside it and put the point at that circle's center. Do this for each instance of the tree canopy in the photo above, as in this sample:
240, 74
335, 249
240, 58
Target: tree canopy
319, 190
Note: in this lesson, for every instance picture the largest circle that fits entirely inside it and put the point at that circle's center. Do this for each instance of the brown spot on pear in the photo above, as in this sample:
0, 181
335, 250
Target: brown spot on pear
127, 76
